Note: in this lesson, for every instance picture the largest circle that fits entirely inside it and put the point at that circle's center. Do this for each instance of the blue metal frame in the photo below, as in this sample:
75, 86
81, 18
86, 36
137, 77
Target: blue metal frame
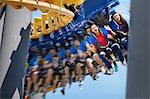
76, 25
79, 23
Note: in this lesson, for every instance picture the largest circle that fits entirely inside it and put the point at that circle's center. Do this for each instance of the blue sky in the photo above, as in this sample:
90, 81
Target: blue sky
106, 87
123, 8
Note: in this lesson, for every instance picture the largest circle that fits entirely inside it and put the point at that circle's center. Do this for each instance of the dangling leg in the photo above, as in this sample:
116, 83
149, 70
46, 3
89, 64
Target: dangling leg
35, 79
107, 63
29, 84
79, 71
92, 70
100, 62
116, 49
48, 79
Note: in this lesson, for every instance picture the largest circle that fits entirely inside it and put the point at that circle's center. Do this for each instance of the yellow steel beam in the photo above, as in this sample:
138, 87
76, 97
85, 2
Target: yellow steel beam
55, 15
33, 5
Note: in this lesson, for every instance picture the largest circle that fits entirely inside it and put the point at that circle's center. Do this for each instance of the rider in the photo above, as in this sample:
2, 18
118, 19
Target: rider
74, 54
104, 37
90, 40
120, 26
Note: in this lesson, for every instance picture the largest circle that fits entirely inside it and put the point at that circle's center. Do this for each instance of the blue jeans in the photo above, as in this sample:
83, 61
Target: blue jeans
107, 63
118, 52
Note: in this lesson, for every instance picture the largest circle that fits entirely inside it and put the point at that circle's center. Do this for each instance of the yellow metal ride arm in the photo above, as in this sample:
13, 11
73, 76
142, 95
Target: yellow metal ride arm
54, 14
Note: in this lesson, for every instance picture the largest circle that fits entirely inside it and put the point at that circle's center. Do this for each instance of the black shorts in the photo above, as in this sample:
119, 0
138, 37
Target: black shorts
87, 57
43, 71
58, 70
72, 67
77, 61
92, 54
68, 64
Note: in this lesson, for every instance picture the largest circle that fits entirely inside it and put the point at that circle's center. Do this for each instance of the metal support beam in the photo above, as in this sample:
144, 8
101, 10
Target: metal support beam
138, 67
13, 52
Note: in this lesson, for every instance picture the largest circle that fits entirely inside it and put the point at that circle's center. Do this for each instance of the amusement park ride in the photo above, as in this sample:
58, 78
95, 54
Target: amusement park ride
56, 14
15, 26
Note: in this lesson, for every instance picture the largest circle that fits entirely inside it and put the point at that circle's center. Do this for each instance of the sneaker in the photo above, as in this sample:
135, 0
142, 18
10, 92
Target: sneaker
33, 94
80, 80
80, 85
109, 71
44, 94
95, 77
116, 68
54, 91
74, 79
103, 69
62, 91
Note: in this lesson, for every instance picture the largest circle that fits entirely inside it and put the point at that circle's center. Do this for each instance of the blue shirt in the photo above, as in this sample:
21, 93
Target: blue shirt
33, 61
82, 46
91, 39
73, 49
62, 53
48, 57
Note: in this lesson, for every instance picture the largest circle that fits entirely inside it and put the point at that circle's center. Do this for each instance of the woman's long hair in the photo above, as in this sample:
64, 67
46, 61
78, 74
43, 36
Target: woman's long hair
123, 21
121, 18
